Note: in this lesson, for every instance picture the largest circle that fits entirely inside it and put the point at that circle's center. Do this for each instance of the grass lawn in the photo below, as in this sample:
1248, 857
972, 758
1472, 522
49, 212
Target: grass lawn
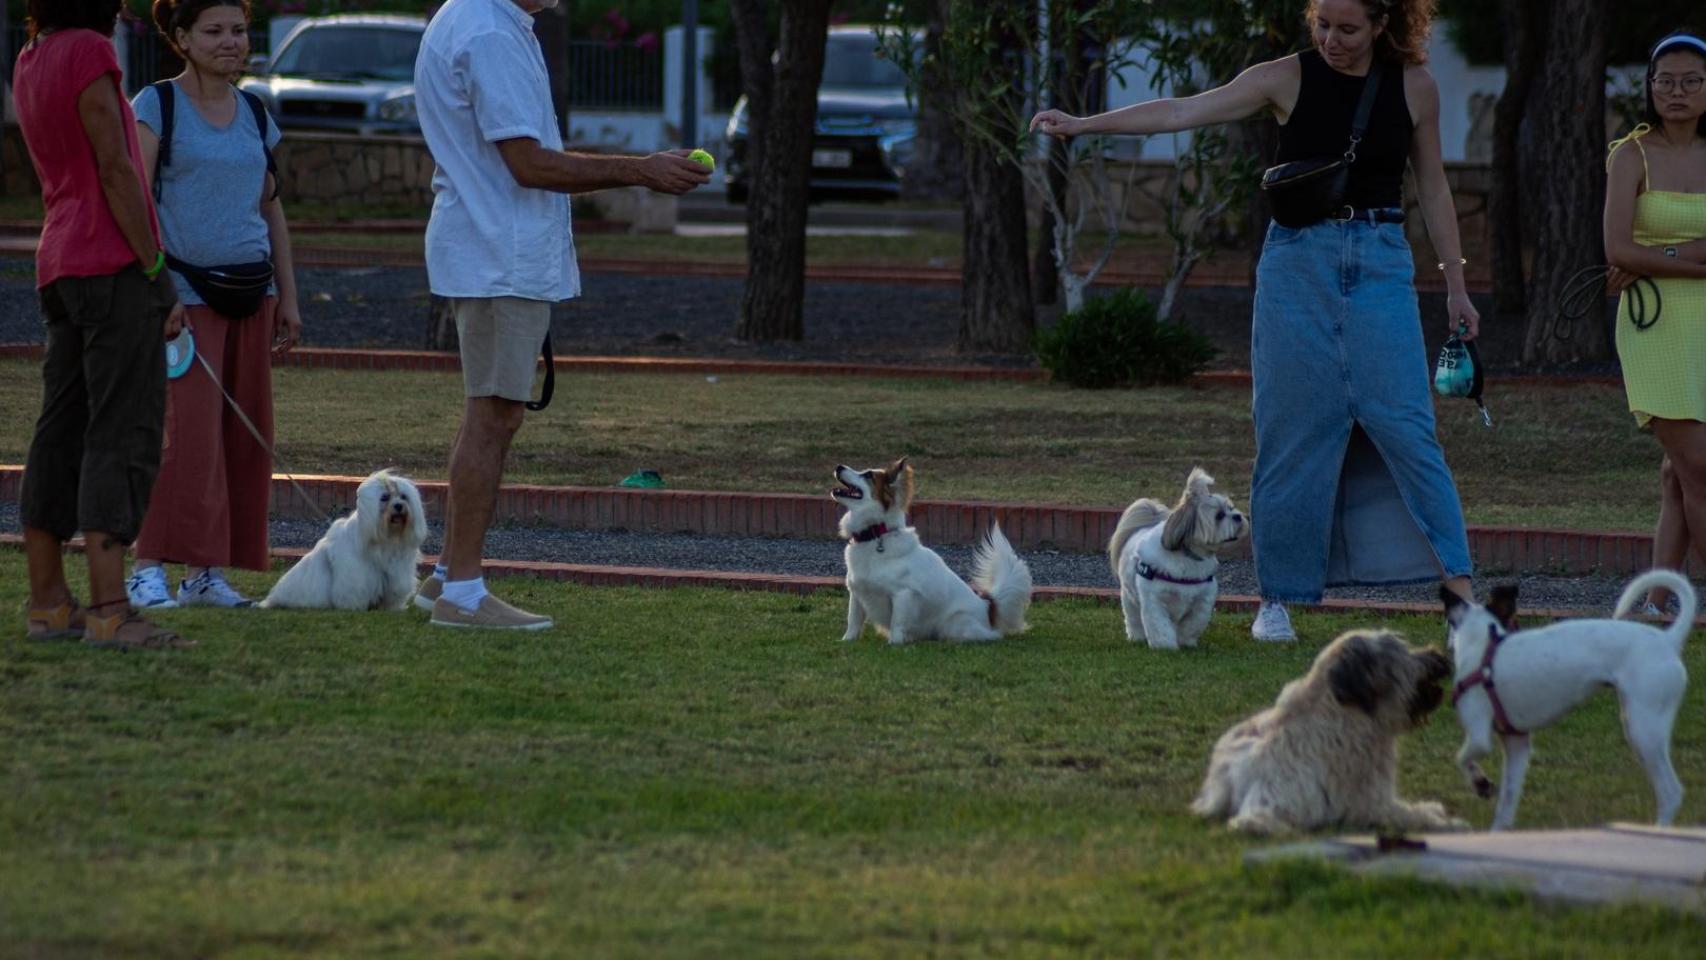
1560, 456
704, 773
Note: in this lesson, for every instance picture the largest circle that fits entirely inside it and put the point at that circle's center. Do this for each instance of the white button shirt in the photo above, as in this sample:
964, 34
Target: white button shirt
480, 78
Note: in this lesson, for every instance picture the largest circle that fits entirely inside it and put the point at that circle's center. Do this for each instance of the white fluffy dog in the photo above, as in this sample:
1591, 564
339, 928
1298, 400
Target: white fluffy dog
903, 587
1326, 753
1543, 674
367, 560
1166, 560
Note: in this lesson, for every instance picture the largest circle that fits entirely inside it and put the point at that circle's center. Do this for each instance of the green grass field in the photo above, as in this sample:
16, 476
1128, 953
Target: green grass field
1560, 456
703, 773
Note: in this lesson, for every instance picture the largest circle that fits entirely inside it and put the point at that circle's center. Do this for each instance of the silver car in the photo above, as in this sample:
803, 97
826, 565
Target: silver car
351, 72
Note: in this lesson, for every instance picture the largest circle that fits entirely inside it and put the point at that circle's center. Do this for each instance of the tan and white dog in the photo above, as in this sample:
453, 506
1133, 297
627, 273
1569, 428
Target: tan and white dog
1166, 561
1512, 682
902, 587
1326, 753
367, 560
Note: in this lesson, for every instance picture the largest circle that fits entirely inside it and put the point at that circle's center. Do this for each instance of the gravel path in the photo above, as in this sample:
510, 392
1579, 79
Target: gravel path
822, 558
627, 315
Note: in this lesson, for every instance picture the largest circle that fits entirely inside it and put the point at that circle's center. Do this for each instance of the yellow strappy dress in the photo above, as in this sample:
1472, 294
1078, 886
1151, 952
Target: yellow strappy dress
1664, 365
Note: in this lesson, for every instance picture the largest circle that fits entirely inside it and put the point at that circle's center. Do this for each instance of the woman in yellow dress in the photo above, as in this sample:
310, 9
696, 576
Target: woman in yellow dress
1655, 219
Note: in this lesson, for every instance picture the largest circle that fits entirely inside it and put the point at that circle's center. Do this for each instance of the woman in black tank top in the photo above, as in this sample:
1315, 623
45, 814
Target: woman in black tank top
1350, 484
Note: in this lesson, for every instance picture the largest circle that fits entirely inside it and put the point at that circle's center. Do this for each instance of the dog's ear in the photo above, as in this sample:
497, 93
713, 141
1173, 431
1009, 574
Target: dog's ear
1502, 605
1181, 525
1198, 483
1455, 606
1355, 677
900, 476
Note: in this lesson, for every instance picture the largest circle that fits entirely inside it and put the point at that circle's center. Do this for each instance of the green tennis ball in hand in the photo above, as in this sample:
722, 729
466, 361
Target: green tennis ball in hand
703, 159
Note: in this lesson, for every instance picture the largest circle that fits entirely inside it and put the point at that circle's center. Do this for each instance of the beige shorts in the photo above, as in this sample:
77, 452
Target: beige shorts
501, 338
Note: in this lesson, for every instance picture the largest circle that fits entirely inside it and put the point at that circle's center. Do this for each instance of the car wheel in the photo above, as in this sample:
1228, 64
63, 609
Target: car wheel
736, 191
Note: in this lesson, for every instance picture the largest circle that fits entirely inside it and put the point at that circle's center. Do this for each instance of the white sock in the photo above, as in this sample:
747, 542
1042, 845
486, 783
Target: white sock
440, 572
466, 594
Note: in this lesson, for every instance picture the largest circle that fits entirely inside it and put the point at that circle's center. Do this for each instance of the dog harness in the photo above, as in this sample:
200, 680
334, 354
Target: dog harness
1483, 677
990, 600
873, 532
1148, 572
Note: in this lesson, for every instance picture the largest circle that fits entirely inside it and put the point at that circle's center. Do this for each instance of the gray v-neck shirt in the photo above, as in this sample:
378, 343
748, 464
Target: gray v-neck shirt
210, 194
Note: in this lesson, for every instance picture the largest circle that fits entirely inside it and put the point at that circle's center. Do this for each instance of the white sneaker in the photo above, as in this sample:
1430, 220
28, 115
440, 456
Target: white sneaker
1273, 624
209, 589
147, 589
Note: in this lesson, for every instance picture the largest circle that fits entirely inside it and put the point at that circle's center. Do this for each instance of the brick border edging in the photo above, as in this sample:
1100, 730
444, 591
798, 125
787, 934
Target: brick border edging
437, 361
663, 578
1064, 527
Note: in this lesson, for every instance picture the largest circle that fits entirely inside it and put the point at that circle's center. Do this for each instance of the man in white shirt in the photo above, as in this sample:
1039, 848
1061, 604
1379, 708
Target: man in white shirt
499, 246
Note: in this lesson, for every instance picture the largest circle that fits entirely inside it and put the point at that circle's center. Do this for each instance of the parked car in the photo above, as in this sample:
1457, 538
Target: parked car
865, 126
351, 72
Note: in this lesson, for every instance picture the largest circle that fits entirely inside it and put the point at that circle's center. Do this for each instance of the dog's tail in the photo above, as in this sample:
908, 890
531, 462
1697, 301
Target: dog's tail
1676, 583
1141, 515
998, 572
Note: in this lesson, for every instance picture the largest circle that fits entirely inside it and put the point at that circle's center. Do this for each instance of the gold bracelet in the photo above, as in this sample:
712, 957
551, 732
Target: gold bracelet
1460, 262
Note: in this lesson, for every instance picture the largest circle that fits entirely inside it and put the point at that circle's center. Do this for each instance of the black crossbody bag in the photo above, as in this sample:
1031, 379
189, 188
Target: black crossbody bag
1305, 192
234, 290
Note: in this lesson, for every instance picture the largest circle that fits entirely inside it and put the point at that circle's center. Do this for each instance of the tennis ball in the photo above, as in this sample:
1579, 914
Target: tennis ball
703, 159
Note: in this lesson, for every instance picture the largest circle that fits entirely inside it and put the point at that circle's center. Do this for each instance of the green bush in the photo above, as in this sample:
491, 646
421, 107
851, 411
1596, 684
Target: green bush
1116, 341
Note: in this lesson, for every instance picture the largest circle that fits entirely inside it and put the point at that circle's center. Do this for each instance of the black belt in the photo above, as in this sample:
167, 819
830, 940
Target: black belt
1370, 214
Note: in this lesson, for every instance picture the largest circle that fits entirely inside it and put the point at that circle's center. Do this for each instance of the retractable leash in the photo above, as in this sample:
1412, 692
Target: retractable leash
180, 353
1458, 372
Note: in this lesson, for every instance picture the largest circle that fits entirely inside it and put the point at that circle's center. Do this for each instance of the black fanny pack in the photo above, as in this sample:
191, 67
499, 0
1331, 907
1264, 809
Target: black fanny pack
1305, 192
236, 290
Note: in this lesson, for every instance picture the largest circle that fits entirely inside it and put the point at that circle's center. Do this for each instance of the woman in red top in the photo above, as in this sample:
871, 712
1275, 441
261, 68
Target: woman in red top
108, 309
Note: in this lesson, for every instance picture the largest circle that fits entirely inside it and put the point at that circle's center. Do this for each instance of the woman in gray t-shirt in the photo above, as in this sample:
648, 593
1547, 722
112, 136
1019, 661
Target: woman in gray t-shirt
218, 206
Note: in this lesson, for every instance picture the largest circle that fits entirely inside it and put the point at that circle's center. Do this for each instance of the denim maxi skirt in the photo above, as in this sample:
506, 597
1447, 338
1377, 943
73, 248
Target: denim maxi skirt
1350, 485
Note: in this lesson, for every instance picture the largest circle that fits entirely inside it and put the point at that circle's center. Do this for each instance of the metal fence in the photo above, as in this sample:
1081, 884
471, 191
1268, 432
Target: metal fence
615, 76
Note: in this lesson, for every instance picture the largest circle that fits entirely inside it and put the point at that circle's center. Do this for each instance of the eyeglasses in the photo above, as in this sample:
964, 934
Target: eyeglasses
1690, 84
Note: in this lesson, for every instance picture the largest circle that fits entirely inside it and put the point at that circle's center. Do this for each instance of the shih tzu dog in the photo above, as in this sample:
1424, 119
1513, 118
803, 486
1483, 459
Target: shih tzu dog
1544, 673
902, 587
367, 560
1326, 753
1166, 560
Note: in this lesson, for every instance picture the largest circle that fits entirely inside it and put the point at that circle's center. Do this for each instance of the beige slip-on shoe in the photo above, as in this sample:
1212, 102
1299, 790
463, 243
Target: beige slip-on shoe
427, 594
492, 614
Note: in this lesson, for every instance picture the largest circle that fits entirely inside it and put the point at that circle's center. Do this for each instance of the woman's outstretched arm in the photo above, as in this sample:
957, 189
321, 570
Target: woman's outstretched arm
1273, 84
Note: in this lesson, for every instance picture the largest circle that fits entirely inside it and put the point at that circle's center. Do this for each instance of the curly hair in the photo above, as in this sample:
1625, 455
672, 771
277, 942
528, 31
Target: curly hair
1408, 24
96, 15
174, 15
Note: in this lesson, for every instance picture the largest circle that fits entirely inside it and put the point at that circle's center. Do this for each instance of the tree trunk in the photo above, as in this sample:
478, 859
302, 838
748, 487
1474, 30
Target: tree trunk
1045, 271
441, 325
996, 312
1523, 35
782, 100
1567, 114
933, 172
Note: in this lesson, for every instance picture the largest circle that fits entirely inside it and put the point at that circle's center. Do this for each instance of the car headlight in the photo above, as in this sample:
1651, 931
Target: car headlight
897, 150
398, 109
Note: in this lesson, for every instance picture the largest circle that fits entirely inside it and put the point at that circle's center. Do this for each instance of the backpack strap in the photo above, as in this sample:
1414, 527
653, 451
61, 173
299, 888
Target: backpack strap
259, 109
163, 156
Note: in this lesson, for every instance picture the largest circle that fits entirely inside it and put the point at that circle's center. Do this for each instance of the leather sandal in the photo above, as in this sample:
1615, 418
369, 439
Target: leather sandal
127, 630
64, 622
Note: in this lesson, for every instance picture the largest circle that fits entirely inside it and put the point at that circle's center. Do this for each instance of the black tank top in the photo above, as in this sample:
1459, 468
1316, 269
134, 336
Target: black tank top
1320, 126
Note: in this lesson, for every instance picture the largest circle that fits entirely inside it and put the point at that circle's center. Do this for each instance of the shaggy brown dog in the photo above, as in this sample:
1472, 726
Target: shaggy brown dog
1326, 753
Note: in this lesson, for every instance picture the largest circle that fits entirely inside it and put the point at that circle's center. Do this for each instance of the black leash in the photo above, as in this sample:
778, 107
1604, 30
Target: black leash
1586, 288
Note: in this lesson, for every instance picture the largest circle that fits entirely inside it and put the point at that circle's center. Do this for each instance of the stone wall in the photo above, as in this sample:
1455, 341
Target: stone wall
336, 169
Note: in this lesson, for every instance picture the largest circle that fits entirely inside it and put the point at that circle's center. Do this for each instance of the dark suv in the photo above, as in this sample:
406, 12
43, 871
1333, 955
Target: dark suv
865, 127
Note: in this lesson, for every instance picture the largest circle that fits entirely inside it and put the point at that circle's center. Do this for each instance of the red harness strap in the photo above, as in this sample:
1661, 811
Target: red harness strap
1483, 677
